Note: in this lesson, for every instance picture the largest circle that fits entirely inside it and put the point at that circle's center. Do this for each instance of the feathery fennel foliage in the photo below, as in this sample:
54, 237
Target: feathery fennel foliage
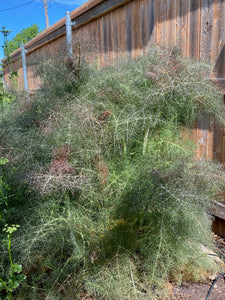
115, 202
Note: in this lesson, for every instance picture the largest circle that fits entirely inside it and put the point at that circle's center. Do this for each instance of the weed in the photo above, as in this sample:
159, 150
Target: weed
14, 278
4, 193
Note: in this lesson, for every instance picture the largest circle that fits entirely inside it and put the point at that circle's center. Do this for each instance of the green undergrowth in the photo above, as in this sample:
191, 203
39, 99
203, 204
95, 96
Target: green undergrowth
110, 199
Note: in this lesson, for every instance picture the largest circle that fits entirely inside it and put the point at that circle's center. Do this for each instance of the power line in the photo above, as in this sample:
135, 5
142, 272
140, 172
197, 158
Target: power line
58, 4
6, 9
20, 27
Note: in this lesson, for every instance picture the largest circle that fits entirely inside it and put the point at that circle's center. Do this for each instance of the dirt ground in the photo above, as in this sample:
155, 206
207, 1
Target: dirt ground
198, 291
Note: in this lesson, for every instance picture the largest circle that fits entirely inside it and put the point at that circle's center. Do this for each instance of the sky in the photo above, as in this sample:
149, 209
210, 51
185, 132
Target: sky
16, 15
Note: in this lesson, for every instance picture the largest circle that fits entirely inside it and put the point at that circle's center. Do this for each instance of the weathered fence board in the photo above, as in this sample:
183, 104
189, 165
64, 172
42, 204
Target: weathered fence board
126, 27
206, 29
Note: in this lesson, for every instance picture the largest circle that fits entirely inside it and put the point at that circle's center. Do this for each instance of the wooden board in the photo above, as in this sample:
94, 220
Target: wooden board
151, 21
97, 11
195, 28
126, 27
129, 29
219, 210
206, 29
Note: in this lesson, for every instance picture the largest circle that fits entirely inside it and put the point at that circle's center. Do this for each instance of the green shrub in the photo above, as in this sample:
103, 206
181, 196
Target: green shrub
114, 199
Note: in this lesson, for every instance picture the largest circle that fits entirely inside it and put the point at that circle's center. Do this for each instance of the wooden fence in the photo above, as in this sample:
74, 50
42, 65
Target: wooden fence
126, 27
111, 28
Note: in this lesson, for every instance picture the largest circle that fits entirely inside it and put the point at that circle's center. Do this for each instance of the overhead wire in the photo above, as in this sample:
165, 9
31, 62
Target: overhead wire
57, 3
15, 7
20, 27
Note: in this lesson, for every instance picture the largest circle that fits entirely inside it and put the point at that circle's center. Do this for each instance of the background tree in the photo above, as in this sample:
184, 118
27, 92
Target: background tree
24, 36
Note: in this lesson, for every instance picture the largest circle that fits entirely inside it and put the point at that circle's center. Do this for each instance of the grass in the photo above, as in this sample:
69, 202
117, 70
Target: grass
110, 199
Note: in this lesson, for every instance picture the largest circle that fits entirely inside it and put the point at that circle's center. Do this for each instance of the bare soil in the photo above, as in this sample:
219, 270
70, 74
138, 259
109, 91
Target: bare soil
199, 291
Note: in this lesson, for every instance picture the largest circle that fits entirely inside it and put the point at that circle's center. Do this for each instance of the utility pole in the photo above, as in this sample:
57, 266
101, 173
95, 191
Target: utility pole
46, 13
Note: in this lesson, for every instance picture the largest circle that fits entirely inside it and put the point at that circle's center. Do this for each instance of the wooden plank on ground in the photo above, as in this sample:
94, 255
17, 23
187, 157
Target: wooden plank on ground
219, 210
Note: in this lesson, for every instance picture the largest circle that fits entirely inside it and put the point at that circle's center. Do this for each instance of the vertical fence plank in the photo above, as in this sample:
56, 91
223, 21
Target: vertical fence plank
128, 29
158, 10
115, 33
216, 31
206, 29
205, 132
199, 139
180, 24
217, 138
195, 28
135, 28
172, 21
210, 142
163, 19
122, 31
152, 20
220, 59
101, 46
183, 30
109, 37
142, 17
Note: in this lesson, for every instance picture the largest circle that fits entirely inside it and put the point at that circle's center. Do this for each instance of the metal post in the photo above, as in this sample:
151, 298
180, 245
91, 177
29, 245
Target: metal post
69, 35
24, 67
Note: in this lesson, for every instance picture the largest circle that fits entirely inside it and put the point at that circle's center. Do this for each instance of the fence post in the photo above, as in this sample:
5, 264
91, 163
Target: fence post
69, 25
69, 34
24, 67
